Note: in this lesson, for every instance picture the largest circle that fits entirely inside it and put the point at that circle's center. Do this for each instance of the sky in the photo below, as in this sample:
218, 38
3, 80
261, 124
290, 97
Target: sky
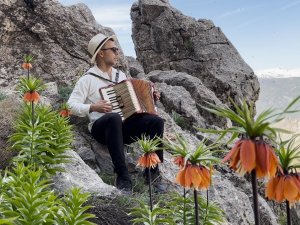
266, 33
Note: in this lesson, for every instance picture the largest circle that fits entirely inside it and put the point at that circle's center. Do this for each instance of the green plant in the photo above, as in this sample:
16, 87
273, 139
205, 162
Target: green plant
26, 197
29, 85
149, 159
289, 154
156, 216
2, 96
180, 120
285, 186
72, 210
44, 142
210, 213
64, 92
189, 45
7, 221
195, 166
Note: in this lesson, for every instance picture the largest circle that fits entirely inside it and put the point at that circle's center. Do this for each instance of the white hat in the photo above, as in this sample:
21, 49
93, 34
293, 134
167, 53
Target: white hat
96, 44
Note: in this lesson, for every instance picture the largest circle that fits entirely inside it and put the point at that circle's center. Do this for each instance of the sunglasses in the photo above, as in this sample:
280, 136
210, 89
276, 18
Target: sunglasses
114, 49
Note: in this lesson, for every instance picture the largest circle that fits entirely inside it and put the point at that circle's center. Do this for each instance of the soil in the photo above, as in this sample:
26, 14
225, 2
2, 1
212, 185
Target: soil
111, 211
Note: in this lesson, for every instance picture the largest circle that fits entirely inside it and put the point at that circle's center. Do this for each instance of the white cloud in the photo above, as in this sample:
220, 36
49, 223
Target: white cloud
230, 13
291, 4
114, 16
278, 73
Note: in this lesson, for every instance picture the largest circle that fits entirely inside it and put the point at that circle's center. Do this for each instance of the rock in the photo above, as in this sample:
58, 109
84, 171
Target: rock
235, 204
178, 99
78, 174
165, 39
193, 92
135, 66
46, 28
267, 216
49, 96
295, 214
9, 108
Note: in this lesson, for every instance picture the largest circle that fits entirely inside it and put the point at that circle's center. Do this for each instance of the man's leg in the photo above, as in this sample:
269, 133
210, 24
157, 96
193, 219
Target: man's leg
143, 124
108, 131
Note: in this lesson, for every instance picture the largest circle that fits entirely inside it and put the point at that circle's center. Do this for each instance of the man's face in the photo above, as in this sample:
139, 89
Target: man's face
109, 53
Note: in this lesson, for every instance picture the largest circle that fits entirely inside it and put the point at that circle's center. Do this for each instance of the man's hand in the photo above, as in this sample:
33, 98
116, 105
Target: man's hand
156, 95
102, 106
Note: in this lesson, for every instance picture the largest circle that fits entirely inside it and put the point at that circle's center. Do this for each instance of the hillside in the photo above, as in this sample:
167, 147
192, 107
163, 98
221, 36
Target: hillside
277, 93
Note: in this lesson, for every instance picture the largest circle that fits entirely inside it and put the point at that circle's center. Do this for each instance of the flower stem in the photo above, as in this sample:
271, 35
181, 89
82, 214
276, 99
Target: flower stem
184, 206
196, 207
255, 196
150, 189
206, 211
32, 123
288, 213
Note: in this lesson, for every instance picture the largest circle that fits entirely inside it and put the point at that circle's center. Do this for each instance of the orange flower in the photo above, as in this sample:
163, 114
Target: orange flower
26, 66
31, 96
148, 160
266, 160
247, 155
179, 161
284, 187
65, 112
194, 176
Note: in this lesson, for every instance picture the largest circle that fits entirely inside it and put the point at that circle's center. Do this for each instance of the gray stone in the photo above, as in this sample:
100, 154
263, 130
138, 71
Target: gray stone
9, 108
235, 204
165, 39
195, 93
55, 35
295, 214
135, 67
78, 174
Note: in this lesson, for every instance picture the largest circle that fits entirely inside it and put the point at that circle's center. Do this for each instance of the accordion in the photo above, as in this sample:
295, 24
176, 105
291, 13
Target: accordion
129, 97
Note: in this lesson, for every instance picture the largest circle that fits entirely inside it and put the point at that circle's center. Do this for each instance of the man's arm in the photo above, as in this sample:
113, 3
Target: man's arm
78, 97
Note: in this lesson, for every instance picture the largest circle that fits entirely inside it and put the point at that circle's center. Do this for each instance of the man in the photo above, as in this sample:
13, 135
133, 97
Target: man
107, 127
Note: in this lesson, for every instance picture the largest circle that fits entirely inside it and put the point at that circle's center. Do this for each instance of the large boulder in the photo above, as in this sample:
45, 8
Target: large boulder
165, 39
55, 35
187, 96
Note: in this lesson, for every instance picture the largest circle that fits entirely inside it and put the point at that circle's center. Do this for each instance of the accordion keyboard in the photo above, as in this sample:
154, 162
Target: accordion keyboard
111, 96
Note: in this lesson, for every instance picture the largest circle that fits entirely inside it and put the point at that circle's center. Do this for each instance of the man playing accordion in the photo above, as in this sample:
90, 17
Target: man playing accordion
106, 126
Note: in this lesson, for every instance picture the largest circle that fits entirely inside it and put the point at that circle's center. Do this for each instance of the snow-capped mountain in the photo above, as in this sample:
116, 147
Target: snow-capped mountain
278, 73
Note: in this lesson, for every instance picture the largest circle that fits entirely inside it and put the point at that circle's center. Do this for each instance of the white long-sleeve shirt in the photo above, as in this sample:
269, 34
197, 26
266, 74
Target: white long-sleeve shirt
86, 92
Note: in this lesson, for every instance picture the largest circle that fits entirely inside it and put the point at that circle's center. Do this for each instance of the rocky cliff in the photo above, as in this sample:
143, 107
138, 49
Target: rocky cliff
165, 39
190, 61
56, 36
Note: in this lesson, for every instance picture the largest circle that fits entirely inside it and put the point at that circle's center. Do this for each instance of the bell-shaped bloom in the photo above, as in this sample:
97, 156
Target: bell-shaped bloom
194, 176
179, 161
148, 160
247, 155
26, 66
284, 187
31, 96
65, 112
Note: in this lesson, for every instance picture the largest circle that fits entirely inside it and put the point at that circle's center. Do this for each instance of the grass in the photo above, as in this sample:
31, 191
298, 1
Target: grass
2, 96
180, 120
64, 92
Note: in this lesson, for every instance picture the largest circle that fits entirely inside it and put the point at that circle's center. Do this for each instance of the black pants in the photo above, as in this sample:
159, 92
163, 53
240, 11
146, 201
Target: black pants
111, 131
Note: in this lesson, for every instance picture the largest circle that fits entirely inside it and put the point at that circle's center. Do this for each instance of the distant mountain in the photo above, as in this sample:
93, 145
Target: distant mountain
278, 92
278, 73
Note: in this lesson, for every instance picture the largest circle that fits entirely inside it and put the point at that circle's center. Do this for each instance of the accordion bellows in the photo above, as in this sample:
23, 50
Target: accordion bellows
129, 97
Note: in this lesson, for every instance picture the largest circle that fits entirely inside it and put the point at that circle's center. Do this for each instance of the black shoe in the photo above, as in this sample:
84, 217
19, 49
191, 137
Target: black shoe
156, 180
155, 174
124, 184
